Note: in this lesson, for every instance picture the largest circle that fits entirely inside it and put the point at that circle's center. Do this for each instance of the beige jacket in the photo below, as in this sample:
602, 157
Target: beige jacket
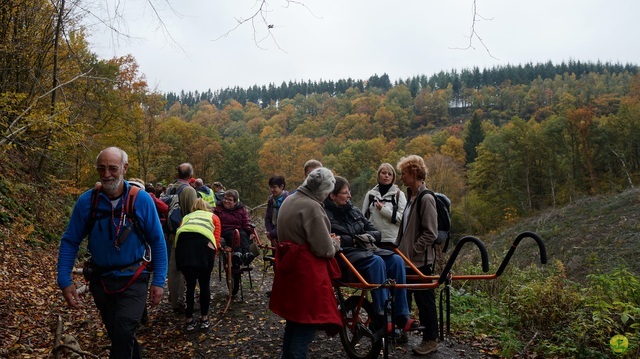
416, 240
302, 220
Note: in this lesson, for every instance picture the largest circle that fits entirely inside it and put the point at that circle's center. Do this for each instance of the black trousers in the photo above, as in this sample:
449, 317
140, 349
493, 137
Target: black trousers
244, 241
121, 312
426, 303
203, 277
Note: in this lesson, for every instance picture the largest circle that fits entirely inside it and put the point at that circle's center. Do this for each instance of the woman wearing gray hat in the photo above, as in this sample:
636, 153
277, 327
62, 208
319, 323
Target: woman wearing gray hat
302, 292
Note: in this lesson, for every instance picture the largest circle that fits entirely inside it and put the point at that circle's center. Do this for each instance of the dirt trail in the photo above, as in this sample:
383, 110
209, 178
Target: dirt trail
250, 330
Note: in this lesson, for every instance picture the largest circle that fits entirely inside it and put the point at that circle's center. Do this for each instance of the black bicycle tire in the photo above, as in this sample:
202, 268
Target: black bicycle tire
352, 343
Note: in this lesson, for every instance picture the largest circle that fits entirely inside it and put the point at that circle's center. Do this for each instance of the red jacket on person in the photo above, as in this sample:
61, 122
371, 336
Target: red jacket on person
234, 218
161, 207
302, 277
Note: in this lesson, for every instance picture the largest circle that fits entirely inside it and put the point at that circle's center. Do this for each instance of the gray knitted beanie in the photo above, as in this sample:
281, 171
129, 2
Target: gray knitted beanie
320, 181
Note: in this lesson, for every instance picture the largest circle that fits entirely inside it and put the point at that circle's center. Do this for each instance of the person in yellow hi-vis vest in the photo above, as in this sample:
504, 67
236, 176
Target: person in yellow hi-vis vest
197, 240
203, 191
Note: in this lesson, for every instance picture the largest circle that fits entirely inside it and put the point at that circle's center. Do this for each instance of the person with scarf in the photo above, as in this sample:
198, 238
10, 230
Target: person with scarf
384, 205
278, 194
418, 231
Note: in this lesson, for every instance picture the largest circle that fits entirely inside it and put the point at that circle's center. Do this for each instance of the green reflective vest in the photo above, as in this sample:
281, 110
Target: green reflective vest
209, 198
198, 222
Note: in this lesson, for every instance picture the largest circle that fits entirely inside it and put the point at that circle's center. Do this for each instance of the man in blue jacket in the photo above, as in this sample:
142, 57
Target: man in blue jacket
122, 246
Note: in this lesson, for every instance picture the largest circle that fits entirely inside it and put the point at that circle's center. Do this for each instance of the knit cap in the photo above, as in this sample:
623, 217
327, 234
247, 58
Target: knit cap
321, 182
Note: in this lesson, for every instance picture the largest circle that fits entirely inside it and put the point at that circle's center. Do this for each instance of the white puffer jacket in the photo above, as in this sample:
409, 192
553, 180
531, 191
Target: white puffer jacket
381, 219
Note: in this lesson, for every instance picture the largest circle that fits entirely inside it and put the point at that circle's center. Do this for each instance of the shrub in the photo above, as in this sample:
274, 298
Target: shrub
613, 307
545, 304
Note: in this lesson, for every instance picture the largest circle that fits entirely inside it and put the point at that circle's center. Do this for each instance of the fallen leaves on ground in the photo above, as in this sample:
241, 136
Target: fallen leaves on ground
30, 304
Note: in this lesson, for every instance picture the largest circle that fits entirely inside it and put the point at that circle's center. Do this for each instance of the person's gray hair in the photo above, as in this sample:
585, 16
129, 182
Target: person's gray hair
123, 155
321, 182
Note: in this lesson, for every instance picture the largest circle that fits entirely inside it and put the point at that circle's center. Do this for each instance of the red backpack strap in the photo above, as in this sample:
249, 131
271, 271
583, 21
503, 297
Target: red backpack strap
95, 194
129, 207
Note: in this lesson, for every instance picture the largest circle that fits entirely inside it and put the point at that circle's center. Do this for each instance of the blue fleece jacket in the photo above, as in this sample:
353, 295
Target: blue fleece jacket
103, 251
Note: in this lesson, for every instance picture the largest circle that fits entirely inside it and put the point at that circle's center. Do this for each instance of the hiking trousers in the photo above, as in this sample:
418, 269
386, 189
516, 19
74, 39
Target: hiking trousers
175, 279
121, 312
426, 303
296, 340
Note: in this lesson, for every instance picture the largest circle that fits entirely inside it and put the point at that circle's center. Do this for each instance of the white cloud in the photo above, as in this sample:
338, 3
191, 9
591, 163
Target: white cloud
337, 39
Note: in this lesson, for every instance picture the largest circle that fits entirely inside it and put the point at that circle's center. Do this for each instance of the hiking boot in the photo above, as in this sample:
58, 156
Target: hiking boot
248, 258
426, 347
190, 326
400, 336
236, 260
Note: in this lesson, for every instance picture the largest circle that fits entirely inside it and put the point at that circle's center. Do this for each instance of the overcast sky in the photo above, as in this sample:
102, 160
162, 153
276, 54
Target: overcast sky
338, 39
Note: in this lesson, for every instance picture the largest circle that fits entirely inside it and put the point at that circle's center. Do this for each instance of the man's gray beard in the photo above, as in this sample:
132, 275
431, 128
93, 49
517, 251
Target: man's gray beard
111, 189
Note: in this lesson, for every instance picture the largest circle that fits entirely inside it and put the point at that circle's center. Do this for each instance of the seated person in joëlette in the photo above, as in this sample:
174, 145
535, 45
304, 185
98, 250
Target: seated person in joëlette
376, 264
233, 215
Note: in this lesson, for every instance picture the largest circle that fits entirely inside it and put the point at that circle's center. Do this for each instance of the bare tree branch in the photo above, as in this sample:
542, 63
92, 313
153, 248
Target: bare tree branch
473, 34
162, 25
75, 350
259, 22
111, 16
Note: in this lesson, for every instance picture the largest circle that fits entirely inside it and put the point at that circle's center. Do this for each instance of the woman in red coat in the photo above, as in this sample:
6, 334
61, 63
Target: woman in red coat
302, 292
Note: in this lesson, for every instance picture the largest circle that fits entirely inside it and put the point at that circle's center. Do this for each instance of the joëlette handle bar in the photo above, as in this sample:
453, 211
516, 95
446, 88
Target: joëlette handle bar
445, 275
520, 237
454, 255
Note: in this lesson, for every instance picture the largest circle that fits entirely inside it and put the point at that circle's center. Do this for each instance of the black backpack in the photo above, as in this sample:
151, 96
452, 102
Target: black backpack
394, 202
174, 216
443, 207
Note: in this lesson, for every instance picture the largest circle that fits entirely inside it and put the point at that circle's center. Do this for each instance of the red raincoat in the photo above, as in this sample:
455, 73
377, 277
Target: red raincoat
302, 291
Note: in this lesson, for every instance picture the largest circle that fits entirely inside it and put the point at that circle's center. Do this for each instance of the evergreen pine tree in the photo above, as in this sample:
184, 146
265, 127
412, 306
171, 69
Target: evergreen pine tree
474, 136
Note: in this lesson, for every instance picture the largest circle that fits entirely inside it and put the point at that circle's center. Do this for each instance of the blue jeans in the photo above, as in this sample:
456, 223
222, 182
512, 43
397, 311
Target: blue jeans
297, 337
376, 269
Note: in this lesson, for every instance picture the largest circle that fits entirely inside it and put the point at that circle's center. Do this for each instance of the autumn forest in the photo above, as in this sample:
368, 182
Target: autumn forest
520, 147
502, 142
